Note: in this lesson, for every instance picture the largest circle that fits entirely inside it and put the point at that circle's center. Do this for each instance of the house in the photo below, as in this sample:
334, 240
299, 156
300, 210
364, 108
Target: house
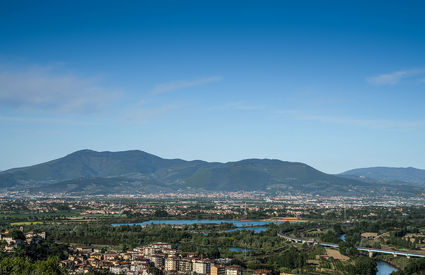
119, 269
161, 246
110, 255
84, 249
233, 270
369, 235
96, 255
141, 269
8, 240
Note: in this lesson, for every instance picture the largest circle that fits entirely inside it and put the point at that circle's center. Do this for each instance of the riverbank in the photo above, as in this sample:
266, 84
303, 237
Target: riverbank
385, 268
397, 262
284, 219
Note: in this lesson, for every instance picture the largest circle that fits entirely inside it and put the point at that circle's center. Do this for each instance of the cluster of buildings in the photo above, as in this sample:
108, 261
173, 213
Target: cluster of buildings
211, 195
13, 239
143, 260
182, 204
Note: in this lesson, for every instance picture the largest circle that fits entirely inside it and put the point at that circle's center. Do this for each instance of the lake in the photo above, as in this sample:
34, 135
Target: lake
384, 268
187, 222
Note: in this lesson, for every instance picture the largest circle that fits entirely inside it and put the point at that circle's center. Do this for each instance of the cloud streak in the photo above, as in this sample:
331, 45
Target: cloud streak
44, 89
393, 78
178, 85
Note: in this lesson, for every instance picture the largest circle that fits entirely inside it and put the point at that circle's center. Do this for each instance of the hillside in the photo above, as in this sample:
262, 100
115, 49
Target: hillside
91, 172
388, 175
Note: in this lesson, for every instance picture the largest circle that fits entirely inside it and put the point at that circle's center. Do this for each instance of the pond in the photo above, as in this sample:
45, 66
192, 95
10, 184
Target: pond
384, 268
240, 249
342, 237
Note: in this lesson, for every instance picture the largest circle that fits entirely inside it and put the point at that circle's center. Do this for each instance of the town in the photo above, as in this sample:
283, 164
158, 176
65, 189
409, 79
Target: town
154, 258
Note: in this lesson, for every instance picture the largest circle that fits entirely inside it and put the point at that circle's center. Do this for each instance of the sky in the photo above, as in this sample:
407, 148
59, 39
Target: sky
334, 84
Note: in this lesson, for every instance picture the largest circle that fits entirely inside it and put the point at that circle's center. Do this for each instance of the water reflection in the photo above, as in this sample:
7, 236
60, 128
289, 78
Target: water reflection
384, 268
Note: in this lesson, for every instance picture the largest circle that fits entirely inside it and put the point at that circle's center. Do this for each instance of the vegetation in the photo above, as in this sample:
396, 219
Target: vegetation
91, 172
24, 266
416, 266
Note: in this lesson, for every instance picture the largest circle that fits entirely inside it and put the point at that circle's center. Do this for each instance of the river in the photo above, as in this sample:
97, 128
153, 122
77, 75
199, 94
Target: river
257, 226
384, 268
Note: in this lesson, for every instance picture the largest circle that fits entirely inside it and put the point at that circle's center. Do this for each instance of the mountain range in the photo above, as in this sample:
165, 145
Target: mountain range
388, 175
91, 172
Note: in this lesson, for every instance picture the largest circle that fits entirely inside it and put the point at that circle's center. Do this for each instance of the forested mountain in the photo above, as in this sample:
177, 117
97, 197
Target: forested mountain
388, 175
91, 172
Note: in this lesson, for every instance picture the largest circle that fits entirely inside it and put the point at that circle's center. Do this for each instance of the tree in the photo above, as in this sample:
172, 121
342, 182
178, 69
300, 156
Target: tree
338, 230
161, 213
348, 249
154, 271
364, 243
364, 266
17, 235
50, 266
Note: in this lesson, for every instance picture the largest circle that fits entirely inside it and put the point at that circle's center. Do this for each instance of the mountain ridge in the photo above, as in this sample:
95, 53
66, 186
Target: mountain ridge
389, 175
91, 172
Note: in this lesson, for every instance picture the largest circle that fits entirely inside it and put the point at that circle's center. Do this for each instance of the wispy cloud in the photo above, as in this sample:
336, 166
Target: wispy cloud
43, 88
393, 78
178, 85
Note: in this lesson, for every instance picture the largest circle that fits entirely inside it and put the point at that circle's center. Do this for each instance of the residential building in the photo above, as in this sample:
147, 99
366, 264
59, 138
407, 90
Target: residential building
233, 270
171, 263
218, 270
201, 266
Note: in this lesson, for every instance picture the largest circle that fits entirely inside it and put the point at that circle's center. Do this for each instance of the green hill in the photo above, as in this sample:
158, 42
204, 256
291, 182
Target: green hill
388, 175
91, 172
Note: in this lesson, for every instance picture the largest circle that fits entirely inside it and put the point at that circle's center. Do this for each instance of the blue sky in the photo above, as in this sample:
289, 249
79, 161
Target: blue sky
334, 84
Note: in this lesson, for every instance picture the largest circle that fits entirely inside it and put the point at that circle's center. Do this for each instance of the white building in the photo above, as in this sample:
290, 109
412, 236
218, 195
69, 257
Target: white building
201, 266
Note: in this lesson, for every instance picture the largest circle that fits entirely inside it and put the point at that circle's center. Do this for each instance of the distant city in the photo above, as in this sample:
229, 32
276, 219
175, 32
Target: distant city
212, 137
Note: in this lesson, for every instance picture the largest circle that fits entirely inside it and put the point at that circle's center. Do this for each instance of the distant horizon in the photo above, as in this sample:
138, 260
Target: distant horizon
335, 85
